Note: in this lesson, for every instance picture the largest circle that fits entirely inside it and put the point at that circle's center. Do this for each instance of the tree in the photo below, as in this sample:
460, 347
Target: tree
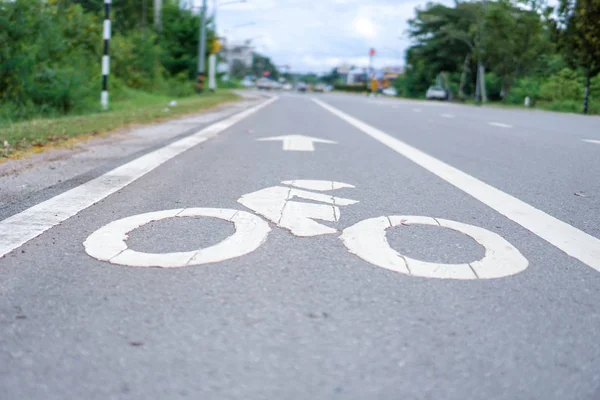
238, 69
523, 35
581, 37
262, 64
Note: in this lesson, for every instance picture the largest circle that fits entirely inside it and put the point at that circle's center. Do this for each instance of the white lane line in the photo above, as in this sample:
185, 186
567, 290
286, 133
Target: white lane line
21, 228
574, 242
591, 141
446, 115
417, 110
500, 124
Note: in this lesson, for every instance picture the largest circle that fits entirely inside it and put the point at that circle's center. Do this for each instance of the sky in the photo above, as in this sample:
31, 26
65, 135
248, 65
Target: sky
318, 35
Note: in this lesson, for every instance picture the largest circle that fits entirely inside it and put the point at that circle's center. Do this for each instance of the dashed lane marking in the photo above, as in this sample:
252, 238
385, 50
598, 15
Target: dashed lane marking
500, 125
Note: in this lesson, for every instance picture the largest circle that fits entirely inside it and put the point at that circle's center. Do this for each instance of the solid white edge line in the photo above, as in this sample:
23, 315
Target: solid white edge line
32, 222
574, 242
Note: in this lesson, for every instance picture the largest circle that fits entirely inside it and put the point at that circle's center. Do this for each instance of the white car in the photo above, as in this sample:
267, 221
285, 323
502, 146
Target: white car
436, 93
390, 92
247, 83
267, 84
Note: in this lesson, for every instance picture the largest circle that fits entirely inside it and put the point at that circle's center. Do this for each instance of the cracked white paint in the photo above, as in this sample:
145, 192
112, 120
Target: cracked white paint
277, 205
109, 242
367, 239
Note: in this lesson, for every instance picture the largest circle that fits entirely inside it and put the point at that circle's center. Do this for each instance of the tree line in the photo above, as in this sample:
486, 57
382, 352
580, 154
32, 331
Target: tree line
526, 47
50, 52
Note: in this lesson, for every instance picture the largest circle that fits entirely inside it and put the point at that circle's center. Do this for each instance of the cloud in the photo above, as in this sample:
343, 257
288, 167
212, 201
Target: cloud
314, 35
364, 27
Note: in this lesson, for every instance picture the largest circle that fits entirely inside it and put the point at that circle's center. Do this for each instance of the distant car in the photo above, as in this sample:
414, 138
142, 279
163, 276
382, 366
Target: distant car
263, 84
287, 86
267, 84
275, 84
436, 93
301, 87
247, 83
320, 88
390, 91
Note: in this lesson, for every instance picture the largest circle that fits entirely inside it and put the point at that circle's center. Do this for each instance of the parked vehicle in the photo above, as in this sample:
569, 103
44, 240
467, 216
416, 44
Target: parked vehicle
390, 92
263, 84
247, 83
301, 87
267, 84
436, 93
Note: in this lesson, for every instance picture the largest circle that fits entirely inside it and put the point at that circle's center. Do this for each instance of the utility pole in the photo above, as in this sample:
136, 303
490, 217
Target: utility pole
157, 12
105, 57
202, 50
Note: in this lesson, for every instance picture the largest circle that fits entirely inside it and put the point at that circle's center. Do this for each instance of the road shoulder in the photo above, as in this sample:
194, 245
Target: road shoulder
46, 174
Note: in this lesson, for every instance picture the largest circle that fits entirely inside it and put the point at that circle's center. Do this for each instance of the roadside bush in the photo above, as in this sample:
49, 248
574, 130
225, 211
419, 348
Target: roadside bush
574, 106
180, 86
493, 86
44, 58
565, 85
135, 59
521, 89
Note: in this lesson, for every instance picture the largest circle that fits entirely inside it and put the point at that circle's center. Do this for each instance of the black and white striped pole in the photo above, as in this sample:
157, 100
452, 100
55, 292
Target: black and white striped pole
105, 57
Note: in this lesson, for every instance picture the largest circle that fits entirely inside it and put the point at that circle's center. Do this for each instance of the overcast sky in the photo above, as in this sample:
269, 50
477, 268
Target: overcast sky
317, 35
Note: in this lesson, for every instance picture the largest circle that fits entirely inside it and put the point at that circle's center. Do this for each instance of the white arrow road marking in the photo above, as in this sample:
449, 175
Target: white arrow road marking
321, 186
21, 228
591, 141
108, 242
297, 142
500, 125
275, 204
569, 239
367, 239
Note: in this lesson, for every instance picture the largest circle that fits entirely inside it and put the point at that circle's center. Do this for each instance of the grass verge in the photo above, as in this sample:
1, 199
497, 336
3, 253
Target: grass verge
138, 108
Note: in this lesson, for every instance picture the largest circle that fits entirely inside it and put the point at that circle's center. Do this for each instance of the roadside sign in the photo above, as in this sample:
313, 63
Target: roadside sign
216, 47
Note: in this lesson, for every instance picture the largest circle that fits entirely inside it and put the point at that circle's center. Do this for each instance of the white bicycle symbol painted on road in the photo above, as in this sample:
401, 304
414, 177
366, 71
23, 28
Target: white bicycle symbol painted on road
366, 239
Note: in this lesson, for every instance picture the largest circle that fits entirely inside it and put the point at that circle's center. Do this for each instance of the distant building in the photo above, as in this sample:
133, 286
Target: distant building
342, 72
356, 76
390, 74
238, 53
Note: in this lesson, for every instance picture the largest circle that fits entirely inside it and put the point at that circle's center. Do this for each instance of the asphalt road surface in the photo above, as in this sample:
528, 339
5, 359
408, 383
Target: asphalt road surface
316, 247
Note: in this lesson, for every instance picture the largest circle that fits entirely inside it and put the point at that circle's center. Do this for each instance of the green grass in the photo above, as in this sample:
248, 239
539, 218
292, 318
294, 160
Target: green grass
136, 108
